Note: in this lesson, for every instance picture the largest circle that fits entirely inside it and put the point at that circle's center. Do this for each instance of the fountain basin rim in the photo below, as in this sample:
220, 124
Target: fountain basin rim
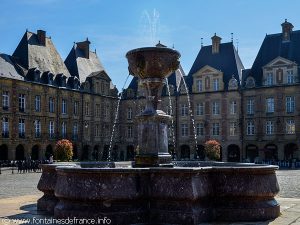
153, 49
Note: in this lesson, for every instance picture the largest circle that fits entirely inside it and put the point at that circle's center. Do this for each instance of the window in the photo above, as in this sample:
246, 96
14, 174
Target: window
290, 104
290, 77
233, 129
21, 102
106, 111
184, 110
64, 106
75, 109
129, 132
75, 131
216, 108
37, 103
5, 127
290, 127
51, 105
51, 129
64, 129
216, 84
215, 129
200, 129
269, 79
250, 128
233, 107
37, 128
98, 110
250, 106
97, 130
200, 109
5, 100
129, 113
199, 85
269, 127
270, 105
87, 108
184, 130
21, 128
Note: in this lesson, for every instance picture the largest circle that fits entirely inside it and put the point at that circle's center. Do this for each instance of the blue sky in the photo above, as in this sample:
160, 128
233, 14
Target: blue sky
114, 27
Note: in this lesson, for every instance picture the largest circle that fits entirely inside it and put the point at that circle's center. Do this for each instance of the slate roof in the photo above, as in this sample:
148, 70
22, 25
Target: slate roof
82, 67
227, 61
31, 54
271, 48
174, 79
8, 68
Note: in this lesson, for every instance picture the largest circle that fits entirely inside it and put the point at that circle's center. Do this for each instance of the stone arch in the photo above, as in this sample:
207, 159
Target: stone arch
130, 153
233, 153
251, 152
289, 151
271, 152
105, 153
20, 152
85, 152
35, 151
201, 152
185, 152
49, 151
3, 152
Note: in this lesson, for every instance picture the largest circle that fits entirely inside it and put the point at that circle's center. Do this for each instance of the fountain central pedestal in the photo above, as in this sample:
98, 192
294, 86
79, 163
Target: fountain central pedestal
152, 65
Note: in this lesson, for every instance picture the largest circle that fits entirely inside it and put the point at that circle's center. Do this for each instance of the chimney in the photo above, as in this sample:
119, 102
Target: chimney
84, 46
216, 41
41, 34
287, 28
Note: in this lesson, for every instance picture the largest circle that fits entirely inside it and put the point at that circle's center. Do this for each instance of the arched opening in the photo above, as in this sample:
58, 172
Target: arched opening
271, 152
20, 152
289, 151
105, 153
251, 153
48, 152
115, 153
35, 152
96, 153
85, 152
3, 152
200, 152
130, 153
75, 152
233, 152
185, 152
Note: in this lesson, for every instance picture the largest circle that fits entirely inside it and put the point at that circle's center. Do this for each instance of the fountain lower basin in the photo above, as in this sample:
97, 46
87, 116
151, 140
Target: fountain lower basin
158, 195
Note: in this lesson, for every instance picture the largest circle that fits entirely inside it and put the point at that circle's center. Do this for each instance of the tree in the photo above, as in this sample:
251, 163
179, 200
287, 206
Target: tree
63, 150
212, 149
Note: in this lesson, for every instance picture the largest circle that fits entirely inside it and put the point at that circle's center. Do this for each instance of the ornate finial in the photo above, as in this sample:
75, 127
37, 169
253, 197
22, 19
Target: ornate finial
87, 39
215, 34
201, 42
285, 20
231, 37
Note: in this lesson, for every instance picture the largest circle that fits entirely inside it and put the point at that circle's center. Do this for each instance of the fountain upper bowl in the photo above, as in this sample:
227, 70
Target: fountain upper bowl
152, 62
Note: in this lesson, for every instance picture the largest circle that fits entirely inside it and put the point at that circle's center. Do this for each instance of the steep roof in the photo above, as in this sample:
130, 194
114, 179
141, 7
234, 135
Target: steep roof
81, 66
8, 69
30, 53
226, 60
272, 47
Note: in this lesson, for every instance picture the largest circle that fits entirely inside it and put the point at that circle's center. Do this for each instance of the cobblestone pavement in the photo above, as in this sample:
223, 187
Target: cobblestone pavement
25, 184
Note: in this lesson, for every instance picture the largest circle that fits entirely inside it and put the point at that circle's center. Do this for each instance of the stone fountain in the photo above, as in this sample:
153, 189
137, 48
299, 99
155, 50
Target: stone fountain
156, 190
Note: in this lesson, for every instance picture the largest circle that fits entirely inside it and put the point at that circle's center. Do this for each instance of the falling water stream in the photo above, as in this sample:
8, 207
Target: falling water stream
115, 121
172, 121
190, 111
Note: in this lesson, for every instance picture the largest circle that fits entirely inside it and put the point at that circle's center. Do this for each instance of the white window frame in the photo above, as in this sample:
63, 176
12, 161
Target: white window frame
250, 106
216, 84
22, 128
129, 113
290, 78
75, 131
51, 129
216, 108
5, 127
37, 128
22, 102
233, 107
215, 129
37, 103
200, 109
64, 129
75, 109
200, 129
184, 110
290, 104
270, 105
5, 99
233, 129
269, 127
250, 128
270, 79
64, 106
184, 130
290, 126
199, 85
51, 105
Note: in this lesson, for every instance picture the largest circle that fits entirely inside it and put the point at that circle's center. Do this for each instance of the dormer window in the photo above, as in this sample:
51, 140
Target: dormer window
233, 84
199, 86
250, 82
216, 84
270, 80
290, 77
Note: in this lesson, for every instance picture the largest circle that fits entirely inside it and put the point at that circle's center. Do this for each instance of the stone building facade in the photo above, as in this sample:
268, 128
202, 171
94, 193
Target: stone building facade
252, 113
